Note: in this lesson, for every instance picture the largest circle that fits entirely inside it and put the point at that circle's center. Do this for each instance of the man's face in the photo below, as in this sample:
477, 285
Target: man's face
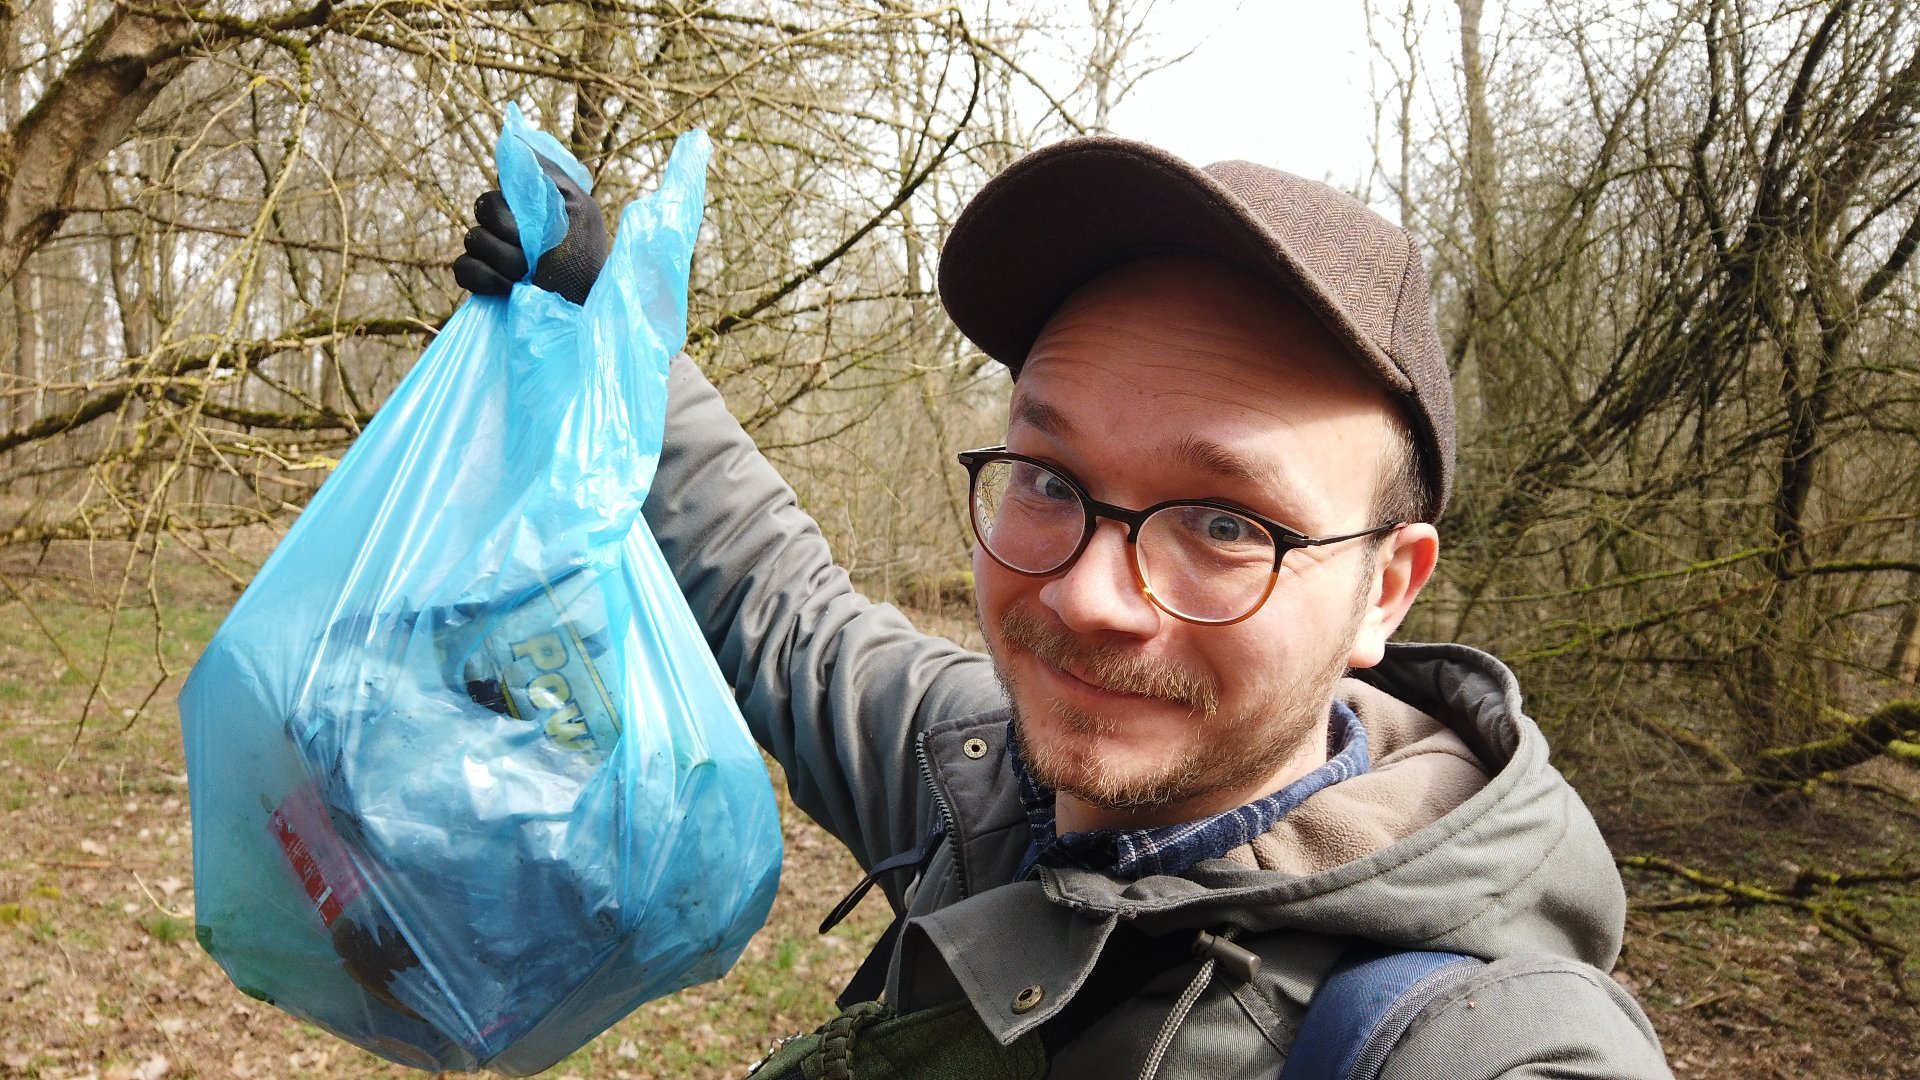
1177, 378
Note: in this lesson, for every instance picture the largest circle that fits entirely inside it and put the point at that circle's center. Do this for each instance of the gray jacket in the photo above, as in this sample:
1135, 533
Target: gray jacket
884, 732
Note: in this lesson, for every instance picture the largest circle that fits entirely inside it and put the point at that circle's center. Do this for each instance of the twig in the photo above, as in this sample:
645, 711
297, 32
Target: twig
1688, 739
1835, 917
171, 913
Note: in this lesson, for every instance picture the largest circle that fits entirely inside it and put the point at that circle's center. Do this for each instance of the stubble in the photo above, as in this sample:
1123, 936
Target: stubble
1226, 752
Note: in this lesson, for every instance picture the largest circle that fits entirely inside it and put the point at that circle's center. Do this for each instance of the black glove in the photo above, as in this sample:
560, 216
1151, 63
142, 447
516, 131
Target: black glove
494, 261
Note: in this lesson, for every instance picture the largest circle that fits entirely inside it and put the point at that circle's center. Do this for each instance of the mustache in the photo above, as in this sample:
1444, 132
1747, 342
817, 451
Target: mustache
1108, 667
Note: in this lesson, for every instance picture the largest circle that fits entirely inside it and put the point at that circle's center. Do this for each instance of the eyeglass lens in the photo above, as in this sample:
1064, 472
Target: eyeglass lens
1200, 562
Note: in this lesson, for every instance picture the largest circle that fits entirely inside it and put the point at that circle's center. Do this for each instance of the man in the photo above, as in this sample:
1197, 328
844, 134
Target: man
1230, 433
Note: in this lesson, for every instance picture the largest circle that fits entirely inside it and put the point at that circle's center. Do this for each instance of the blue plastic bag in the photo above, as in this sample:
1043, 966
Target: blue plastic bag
467, 785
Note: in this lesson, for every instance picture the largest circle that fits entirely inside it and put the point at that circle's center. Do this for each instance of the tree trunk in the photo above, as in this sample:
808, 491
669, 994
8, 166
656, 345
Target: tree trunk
1483, 296
592, 102
1904, 664
1109, 53
87, 111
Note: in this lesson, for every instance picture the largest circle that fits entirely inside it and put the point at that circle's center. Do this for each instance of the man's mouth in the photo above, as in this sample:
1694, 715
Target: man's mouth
1104, 672
1073, 675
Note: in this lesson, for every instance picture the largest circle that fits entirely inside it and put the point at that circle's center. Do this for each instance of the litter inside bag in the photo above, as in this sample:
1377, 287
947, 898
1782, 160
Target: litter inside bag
467, 786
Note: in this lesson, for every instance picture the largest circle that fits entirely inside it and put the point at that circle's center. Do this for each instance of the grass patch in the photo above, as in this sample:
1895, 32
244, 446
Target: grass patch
167, 929
16, 914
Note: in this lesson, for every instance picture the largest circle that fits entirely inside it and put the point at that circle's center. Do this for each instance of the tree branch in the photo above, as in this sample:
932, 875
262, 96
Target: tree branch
1834, 916
1866, 739
105, 401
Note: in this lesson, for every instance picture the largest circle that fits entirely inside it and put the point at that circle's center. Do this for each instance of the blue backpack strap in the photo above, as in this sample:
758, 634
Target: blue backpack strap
1363, 1007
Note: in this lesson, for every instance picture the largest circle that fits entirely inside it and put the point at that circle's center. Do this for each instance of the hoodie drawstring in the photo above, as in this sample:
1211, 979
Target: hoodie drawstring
1215, 947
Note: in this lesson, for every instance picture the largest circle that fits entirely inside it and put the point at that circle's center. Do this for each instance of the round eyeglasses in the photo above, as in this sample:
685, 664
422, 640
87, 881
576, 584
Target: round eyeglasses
1196, 559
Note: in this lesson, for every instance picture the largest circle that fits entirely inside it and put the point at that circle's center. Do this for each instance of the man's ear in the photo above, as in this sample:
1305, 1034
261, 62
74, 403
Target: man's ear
1401, 568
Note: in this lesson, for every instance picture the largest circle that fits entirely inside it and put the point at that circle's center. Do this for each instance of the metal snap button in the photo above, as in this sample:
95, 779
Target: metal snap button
974, 748
1025, 1000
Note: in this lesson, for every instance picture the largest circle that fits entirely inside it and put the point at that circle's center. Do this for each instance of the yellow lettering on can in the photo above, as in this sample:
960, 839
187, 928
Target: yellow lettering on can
549, 691
546, 651
571, 734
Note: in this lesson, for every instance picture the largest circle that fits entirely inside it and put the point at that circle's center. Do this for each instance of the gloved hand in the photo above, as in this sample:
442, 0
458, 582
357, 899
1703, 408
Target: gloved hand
494, 261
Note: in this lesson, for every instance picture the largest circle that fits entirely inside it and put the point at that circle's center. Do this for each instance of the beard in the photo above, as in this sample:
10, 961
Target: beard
1223, 753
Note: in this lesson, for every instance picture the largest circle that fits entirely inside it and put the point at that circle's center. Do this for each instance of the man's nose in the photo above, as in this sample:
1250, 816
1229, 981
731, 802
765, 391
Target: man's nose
1099, 592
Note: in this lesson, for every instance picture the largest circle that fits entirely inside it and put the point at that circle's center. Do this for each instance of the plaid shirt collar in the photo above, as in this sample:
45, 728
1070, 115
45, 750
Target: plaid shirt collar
1175, 849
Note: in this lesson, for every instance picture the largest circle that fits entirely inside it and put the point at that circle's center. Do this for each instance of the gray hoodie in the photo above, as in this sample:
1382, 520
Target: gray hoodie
1461, 838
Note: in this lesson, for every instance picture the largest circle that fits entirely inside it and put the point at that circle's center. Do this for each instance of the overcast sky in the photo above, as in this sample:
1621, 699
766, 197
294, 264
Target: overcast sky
1281, 82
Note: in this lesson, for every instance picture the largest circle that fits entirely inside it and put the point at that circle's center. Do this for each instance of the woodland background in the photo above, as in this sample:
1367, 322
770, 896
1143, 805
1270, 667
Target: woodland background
1671, 246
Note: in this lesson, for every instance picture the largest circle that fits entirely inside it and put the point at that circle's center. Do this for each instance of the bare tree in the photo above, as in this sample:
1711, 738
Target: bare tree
1675, 248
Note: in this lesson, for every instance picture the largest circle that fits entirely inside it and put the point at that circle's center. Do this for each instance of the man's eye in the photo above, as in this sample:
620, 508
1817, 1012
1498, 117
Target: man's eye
1040, 484
1226, 529
1219, 531
1053, 487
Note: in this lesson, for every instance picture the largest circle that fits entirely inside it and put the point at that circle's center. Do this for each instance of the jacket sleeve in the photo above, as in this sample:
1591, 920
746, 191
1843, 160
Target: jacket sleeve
1531, 1018
833, 685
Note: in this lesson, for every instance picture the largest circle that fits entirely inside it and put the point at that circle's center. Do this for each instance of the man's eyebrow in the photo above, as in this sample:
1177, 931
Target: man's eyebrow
1210, 457
1216, 460
1041, 416
1201, 454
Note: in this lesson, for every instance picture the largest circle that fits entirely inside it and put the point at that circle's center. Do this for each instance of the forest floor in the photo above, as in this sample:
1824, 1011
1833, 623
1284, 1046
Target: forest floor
1786, 986
100, 974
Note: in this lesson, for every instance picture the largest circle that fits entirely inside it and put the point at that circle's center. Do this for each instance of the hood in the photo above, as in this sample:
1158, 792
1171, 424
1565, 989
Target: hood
1463, 837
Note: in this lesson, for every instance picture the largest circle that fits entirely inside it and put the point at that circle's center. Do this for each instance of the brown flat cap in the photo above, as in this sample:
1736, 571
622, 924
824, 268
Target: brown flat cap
1064, 214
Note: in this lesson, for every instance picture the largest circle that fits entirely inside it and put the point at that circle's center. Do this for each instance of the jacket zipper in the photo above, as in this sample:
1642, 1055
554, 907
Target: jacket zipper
945, 809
